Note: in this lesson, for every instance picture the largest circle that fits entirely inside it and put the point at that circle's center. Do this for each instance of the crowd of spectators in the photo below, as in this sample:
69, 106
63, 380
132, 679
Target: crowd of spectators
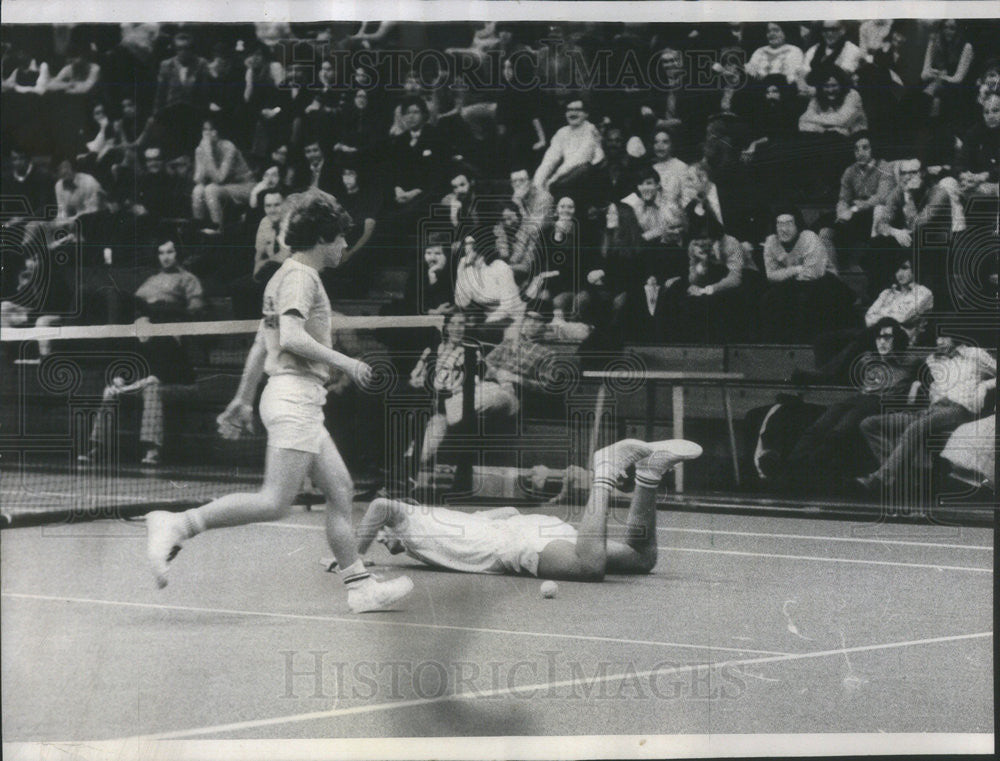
588, 203
654, 183
683, 210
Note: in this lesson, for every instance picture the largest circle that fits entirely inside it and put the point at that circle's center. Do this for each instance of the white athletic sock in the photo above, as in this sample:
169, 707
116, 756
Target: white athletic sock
194, 522
355, 574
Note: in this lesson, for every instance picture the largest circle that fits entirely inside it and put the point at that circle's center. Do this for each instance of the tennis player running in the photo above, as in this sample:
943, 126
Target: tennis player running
504, 540
293, 347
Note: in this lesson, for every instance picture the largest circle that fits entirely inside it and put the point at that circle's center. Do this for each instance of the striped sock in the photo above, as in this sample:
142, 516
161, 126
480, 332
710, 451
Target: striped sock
355, 573
646, 482
604, 482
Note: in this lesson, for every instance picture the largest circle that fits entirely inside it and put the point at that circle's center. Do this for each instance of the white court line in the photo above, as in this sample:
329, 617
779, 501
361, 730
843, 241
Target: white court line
858, 561
860, 540
828, 560
382, 622
512, 690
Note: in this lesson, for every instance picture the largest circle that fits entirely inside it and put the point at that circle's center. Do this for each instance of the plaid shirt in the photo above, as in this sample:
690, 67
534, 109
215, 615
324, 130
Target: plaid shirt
865, 185
521, 357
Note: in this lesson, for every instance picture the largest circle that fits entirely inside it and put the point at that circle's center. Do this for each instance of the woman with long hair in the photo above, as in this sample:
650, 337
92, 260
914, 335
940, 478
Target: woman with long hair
356, 126
946, 65
880, 374
947, 96
836, 106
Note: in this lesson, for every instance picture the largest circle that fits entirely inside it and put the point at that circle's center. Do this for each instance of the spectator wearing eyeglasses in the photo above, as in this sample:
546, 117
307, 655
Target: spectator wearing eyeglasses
827, 450
916, 203
833, 49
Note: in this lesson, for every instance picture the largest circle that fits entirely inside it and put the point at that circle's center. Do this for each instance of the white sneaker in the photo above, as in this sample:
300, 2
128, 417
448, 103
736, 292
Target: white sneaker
164, 535
152, 457
611, 462
376, 595
666, 455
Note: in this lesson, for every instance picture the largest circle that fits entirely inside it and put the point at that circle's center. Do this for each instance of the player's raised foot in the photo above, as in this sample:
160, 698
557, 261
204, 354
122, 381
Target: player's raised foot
377, 595
611, 462
666, 455
164, 535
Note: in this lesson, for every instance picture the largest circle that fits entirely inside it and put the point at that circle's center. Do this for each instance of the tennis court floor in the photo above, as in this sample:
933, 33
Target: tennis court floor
750, 624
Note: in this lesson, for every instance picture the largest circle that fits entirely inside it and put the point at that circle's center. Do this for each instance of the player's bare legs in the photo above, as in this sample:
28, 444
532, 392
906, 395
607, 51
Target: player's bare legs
637, 554
587, 559
330, 474
284, 470
593, 555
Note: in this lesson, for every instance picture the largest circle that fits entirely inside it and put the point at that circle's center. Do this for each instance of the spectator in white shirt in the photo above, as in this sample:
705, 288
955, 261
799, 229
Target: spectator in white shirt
836, 106
958, 377
77, 193
906, 301
571, 156
485, 283
777, 57
671, 170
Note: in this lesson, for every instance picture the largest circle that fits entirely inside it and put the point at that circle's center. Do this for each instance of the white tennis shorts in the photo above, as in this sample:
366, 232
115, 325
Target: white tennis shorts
527, 536
291, 408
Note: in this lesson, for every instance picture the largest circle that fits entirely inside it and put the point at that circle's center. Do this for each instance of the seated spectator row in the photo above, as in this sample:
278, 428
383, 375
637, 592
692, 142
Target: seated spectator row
662, 214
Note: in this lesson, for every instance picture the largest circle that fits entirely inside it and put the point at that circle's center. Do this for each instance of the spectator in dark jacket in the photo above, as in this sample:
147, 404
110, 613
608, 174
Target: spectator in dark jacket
183, 93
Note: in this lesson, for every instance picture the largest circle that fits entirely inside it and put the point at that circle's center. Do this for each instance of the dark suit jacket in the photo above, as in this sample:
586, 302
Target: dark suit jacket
639, 325
419, 165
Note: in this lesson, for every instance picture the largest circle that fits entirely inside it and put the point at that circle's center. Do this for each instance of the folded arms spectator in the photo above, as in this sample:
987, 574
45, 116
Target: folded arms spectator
221, 176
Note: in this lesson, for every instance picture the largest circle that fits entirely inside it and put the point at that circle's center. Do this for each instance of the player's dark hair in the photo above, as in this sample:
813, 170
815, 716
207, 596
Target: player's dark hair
314, 217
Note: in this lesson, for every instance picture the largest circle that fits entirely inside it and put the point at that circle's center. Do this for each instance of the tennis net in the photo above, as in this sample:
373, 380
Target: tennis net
112, 421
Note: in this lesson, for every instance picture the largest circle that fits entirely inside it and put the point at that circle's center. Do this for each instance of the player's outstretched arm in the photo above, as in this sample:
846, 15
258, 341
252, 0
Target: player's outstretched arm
292, 337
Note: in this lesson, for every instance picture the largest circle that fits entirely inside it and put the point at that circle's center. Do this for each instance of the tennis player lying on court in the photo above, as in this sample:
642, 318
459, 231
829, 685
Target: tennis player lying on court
293, 347
505, 541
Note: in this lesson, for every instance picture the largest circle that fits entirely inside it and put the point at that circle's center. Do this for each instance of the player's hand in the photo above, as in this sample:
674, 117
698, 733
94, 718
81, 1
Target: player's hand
236, 420
363, 375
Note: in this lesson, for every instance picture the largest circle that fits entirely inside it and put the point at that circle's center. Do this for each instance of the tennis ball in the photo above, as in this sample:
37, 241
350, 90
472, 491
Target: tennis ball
549, 589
